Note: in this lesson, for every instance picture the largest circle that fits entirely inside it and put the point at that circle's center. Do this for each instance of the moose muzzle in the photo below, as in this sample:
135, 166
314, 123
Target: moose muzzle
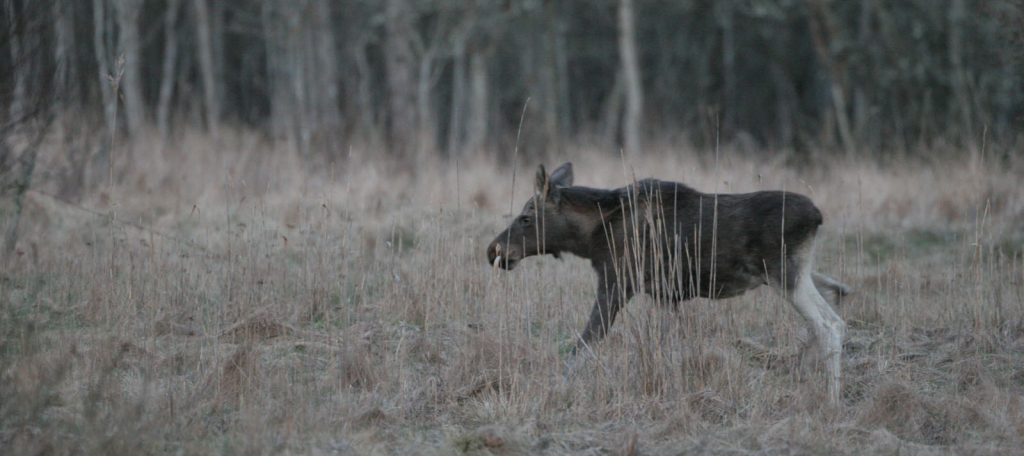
503, 256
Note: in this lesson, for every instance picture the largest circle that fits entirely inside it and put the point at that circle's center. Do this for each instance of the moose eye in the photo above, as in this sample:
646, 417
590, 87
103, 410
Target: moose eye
525, 219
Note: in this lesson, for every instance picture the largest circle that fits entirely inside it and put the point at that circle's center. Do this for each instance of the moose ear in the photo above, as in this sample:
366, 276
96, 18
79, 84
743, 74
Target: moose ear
562, 176
542, 185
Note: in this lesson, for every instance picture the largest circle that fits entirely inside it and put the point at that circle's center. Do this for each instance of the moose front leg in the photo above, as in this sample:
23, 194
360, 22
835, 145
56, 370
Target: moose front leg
606, 308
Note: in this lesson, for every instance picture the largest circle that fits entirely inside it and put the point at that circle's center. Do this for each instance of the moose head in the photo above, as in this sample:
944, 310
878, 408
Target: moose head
544, 226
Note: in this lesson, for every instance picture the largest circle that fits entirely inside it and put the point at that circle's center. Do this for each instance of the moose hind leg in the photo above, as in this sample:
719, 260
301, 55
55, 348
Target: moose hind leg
827, 284
828, 328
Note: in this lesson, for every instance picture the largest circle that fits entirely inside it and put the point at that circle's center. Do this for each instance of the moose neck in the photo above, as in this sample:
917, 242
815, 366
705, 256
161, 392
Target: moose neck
587, 210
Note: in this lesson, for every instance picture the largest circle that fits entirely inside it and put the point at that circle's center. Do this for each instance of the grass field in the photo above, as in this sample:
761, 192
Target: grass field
226, 300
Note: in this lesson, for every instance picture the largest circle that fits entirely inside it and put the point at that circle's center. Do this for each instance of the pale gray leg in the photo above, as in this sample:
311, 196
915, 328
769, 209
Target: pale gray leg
828, 329
825, 284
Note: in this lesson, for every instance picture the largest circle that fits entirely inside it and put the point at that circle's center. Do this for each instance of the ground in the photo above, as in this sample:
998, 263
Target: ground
239, 305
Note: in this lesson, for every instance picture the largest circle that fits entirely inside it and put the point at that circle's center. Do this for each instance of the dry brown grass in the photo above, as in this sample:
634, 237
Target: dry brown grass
350, 310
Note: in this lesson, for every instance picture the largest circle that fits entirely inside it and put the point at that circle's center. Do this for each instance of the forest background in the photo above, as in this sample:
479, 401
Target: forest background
258, 225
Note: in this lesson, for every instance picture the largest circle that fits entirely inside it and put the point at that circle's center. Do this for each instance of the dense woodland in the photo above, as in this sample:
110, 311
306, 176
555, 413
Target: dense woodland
447, 78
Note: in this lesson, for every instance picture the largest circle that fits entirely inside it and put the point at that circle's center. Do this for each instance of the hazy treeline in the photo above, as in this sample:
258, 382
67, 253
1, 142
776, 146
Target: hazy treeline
446, 77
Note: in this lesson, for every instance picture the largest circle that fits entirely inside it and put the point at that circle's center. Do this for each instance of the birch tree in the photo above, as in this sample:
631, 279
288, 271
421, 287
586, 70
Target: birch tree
20, 74
167, 72
211, 99
128, 43
65, 58
106, 77
479, 101
631, 77
400, 65
822, 34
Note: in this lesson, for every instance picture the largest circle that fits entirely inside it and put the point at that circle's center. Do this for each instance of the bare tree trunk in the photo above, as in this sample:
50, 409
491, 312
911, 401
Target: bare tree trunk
280, 27
128, 46
611, 111
101, 44
544, 86
562, 76
326, 75
20, 76
822, 34
298, 63
548, 75
67, 100
424, 120
957, 12
274, 36
860, 101
785, 106
364, 98
163, 111
477, 130
15, 180
14, 171
426, 135
725, 14
631, 77
303, 73
400, 65
66, 80
456, 111
217, 9
211, 97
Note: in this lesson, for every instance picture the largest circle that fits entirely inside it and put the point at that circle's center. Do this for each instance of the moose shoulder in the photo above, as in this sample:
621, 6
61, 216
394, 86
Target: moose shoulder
676, 243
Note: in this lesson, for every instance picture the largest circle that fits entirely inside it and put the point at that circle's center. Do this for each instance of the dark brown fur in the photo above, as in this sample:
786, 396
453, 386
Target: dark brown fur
662, 238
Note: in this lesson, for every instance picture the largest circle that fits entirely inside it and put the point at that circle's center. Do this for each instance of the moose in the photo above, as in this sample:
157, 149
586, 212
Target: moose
676, 243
